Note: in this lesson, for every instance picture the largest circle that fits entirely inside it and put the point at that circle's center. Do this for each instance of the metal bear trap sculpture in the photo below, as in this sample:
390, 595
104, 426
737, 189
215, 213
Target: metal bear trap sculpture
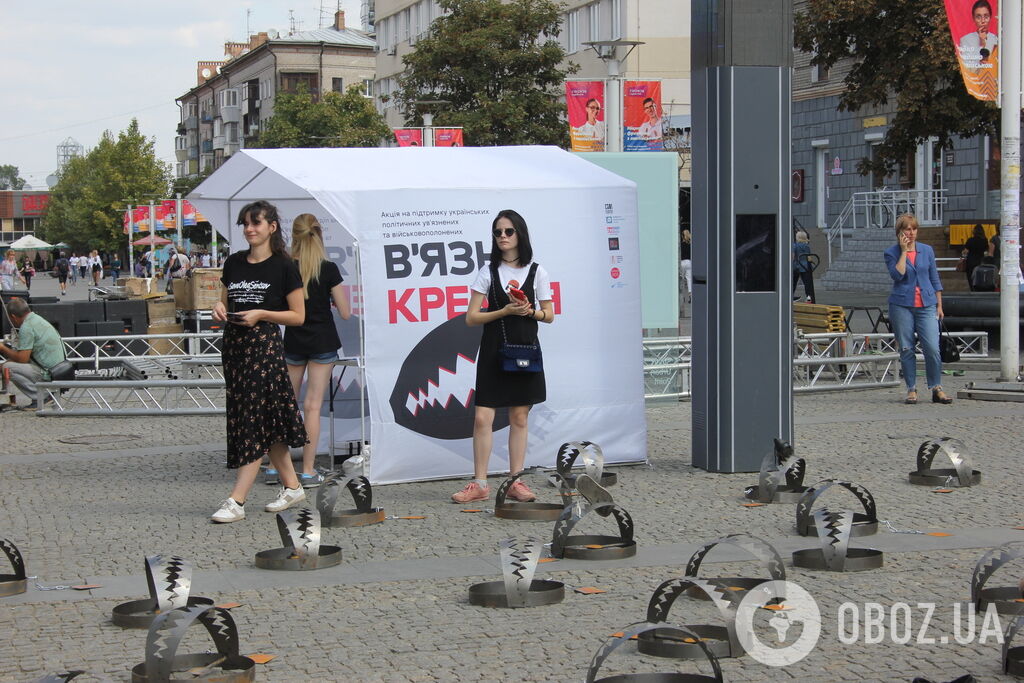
533, 511
164, 665
864, 523
1004, 598
300, 535
679, 633
720, 640
518, 588
760, 549
1013, 657
781, 479
13, 584
593, 463
835, 553
593, 498
961, 474
169, 580
362, 496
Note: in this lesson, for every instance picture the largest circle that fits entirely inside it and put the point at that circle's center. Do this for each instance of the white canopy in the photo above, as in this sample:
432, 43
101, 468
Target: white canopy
28, 242
409, 229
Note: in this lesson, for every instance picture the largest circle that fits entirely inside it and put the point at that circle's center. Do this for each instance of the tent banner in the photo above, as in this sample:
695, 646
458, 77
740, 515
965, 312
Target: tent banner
421, 252
409, 137
974, 25
584, 101
448, 137
642, 117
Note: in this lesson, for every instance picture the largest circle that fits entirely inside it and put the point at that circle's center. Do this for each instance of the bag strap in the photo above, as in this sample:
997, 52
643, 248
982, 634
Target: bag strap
494, 278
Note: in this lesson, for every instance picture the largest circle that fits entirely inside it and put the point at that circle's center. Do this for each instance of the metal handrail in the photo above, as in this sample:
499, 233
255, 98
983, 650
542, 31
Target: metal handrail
880, 208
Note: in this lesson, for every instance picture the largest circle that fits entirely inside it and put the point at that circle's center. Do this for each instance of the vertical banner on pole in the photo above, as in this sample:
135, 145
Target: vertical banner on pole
974, 25
642, 117
409, 137
170, 214
448, 137
584, 102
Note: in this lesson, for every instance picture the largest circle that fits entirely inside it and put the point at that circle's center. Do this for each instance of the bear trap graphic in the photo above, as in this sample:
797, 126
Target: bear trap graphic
169, 580
518, 588
300, 536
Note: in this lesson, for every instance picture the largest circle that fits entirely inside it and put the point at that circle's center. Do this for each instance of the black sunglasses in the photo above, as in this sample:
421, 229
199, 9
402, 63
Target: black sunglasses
508, 232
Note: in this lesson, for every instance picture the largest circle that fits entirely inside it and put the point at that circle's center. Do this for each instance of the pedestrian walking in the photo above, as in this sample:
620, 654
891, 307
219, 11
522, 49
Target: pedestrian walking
262, 289
9, 272
63, 266
311, 349
915, 307
685, 262
802, 268
73, 264
95, 267
83, 266
115, 268
975, 249
27, 271
518, 295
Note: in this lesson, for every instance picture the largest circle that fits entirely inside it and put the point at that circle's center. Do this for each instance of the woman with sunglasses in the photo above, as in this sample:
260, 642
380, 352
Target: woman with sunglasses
507, 318
311, 349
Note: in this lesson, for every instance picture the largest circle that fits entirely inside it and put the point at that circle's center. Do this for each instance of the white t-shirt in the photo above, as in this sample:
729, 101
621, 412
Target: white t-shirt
509, 275
73, 261
650, 131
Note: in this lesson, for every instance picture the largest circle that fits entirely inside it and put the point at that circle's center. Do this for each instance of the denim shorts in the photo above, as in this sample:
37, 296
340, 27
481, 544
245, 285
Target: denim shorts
325, 358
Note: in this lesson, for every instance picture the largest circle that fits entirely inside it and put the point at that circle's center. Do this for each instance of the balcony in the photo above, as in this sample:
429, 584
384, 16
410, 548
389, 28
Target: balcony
206, 117
207, 146
218, 142
231, 114
180, 148
193, 153
191, 123
230, 149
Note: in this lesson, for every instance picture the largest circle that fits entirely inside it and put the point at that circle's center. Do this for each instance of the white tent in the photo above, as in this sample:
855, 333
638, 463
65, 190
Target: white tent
409, 228
29, 243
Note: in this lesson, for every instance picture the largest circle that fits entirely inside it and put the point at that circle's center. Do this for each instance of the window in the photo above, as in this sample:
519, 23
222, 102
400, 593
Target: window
414, 28
616, 24
229, 98
593, 22
818, 73
231, 133
291, 82
367, 87
190, 109
337, 84
218, 127
403, 25
572, 32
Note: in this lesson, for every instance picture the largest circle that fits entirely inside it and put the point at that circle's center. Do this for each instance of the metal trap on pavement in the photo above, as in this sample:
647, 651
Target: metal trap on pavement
16, 582
517, 588
169, 580
720, 639
638, 630
781, 479
300, 536
362, 497
864, 523
163, 664
532, 511
1013, 657
593, 463
961, 474
593, 499
835, 553
1008, 600
760, 549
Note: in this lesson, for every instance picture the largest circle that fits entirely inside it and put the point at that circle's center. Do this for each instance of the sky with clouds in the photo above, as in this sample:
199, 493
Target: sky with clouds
75, 69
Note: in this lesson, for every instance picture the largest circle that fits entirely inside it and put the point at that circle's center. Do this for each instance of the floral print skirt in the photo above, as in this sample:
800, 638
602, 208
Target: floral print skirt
261, 405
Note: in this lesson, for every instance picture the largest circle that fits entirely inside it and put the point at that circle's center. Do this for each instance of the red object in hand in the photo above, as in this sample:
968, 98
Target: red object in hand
517, 294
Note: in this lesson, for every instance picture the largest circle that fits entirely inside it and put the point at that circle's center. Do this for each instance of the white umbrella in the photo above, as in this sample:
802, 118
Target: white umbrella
28, 243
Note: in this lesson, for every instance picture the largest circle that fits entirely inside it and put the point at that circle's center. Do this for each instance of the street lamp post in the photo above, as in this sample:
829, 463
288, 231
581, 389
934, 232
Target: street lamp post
607, 51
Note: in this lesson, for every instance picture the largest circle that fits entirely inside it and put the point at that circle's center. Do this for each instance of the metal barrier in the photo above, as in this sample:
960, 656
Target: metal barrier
187, 344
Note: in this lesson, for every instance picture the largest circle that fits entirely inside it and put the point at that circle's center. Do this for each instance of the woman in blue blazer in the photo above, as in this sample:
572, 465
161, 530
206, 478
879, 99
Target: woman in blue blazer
915, 305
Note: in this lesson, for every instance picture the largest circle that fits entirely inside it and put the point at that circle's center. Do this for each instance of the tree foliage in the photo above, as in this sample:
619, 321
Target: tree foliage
86, 207
492, 64
903, 53
332, 120
10, 178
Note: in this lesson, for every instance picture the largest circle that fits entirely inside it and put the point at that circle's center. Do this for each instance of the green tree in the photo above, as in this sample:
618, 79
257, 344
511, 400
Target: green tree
10, 179
87, 204
332, 120
904, 54
499, 76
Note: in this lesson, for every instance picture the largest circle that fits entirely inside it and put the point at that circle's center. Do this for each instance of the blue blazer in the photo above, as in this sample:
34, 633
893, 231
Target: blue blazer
923, 274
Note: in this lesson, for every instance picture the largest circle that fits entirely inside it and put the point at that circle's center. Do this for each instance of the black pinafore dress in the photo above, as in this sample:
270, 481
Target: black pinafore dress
496, 388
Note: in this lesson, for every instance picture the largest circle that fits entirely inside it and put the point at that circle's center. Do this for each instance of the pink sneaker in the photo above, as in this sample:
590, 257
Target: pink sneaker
472, 492
521, 492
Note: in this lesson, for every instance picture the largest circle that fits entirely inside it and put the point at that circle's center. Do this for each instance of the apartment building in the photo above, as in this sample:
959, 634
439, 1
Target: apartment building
663, 26
234, 97
21, 213
957, 183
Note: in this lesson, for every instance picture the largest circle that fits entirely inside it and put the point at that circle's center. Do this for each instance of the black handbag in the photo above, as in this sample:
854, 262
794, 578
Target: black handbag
519, 357
949, 352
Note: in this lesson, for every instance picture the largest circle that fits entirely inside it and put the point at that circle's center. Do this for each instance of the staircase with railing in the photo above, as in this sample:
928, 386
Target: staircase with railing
864, 228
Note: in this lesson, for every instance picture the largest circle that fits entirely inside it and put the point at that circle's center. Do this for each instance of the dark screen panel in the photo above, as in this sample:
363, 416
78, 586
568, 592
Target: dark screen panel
755, 252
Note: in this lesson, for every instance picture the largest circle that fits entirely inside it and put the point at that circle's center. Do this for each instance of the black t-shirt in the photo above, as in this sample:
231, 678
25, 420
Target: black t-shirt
318, 334
263, 285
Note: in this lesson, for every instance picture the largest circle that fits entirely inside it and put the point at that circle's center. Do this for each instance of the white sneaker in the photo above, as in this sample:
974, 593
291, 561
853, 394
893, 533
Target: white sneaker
286, 497
230, 511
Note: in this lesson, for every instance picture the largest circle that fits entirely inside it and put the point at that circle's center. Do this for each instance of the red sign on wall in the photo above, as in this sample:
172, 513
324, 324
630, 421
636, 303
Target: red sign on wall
34, 204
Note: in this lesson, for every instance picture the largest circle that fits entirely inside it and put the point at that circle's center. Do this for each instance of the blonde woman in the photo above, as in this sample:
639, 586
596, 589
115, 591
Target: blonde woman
9, 271
311, 349
96, 267
802, 268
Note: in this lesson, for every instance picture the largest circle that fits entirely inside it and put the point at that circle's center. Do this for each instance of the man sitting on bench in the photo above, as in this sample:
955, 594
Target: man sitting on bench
39, 350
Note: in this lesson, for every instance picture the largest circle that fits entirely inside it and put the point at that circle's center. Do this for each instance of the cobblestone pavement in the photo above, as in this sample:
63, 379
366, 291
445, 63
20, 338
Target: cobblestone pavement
396, 609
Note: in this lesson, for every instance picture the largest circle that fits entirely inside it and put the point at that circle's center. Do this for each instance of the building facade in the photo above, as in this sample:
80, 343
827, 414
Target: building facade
234, 97
956, 183
21, 213
662, 26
